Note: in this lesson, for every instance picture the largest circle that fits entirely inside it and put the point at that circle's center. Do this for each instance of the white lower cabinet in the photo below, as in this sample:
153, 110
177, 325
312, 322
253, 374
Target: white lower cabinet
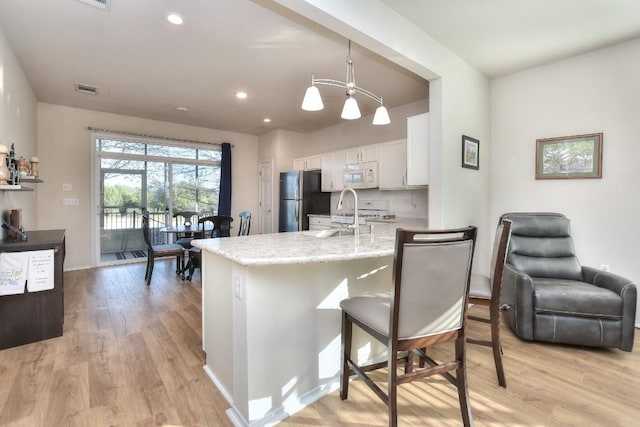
319, 223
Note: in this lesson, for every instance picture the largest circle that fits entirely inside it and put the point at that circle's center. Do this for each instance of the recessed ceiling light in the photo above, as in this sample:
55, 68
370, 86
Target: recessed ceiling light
182, 109
175, 19
267, 120
241, 94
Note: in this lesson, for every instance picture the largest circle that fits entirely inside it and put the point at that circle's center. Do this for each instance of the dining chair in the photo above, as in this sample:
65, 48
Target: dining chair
187, 219
160, 251
486, 291
427, 306
245, 223
218, 222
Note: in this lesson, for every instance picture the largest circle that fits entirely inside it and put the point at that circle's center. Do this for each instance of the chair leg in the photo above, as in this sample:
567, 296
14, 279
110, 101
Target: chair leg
192, 267
461, 380
347, 328
497, 349
150, 268
392, 384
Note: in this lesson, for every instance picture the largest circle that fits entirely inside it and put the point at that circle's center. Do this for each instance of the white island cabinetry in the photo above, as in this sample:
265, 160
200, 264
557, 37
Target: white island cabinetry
271, 315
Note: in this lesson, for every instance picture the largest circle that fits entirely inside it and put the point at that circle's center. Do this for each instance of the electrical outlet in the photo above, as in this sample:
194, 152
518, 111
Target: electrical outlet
237, 287
604, 267
66, 187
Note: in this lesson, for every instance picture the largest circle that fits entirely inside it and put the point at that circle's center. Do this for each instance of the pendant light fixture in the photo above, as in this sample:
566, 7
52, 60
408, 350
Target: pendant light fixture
313, 102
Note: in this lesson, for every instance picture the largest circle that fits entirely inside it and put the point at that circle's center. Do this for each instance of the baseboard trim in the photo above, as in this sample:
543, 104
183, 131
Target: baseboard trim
277, 414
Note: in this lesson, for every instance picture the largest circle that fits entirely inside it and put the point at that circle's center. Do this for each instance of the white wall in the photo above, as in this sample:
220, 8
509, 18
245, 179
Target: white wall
18, 126
64, 147
595, 92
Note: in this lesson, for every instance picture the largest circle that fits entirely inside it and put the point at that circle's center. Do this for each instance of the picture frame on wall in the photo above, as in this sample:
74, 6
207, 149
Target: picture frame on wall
470, 152
569, 157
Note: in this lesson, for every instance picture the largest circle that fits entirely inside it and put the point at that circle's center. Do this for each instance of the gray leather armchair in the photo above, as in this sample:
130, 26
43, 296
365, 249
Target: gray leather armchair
550, 297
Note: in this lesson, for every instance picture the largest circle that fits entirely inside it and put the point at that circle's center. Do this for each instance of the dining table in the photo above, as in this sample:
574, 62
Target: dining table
199, 231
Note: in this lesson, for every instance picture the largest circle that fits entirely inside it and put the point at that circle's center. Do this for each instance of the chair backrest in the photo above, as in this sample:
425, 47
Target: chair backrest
145, 232
541, 245
431, 273
245, 223
498, 258
186, 218
219, 223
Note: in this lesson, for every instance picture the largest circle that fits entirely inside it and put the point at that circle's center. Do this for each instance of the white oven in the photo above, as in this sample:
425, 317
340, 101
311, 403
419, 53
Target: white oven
361, 175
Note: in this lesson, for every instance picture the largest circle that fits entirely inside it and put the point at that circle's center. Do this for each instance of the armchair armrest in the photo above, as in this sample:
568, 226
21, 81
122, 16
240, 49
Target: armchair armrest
517, 294
607, 280
627, 291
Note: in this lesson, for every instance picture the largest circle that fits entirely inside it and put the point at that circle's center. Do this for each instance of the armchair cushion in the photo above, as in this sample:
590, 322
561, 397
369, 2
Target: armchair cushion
573, 298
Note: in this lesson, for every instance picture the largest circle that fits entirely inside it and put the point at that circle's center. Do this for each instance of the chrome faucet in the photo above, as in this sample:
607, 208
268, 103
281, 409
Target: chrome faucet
356, 224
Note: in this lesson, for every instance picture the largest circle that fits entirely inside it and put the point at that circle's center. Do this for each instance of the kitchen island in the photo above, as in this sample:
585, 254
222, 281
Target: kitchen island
271, 315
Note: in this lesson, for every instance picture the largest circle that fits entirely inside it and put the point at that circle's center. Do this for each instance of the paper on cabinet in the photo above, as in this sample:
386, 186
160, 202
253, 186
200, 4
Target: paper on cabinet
41, 271
13, 272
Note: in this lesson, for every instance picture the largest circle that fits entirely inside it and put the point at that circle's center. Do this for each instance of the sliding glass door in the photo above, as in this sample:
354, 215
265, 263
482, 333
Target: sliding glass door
134, 177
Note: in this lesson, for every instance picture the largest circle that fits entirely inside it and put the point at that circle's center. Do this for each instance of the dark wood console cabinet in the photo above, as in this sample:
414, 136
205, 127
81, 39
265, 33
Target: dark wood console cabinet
34, 316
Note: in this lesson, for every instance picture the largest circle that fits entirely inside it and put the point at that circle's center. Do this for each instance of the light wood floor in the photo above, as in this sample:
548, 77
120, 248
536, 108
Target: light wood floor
131, 356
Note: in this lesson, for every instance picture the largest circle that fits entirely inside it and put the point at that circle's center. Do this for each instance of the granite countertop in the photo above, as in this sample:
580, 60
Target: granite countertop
304, 246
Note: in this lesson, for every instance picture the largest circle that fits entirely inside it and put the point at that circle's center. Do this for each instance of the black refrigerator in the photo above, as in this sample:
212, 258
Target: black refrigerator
301, 195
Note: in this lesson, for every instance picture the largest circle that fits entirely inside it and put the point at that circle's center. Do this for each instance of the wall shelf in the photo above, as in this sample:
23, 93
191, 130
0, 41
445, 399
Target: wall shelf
31, 179
15, 188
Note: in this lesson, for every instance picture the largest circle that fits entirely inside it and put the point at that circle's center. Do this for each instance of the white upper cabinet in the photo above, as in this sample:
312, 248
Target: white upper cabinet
333, 170
367, 153
307, 163
418, 150
392, 167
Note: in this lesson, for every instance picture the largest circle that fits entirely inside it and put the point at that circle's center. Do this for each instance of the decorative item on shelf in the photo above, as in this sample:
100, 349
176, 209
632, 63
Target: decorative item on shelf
12, 164
4, 170
313, 102
23, 167
34, 167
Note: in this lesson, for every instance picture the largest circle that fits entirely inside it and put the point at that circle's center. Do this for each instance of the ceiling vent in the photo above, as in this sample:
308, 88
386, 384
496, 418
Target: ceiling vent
92, 90
100, 4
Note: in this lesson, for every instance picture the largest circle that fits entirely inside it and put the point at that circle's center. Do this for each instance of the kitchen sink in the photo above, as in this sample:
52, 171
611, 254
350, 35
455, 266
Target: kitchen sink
325, 234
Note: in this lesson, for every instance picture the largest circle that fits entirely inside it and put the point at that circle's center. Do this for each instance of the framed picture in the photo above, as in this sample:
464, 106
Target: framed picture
470, 152
569, 157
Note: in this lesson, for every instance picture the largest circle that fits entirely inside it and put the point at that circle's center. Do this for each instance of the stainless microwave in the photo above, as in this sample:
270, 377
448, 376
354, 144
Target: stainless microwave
361, 175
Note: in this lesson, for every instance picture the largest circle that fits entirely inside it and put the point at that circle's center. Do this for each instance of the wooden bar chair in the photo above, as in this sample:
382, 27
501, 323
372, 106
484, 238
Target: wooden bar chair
486, 291
428, 304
